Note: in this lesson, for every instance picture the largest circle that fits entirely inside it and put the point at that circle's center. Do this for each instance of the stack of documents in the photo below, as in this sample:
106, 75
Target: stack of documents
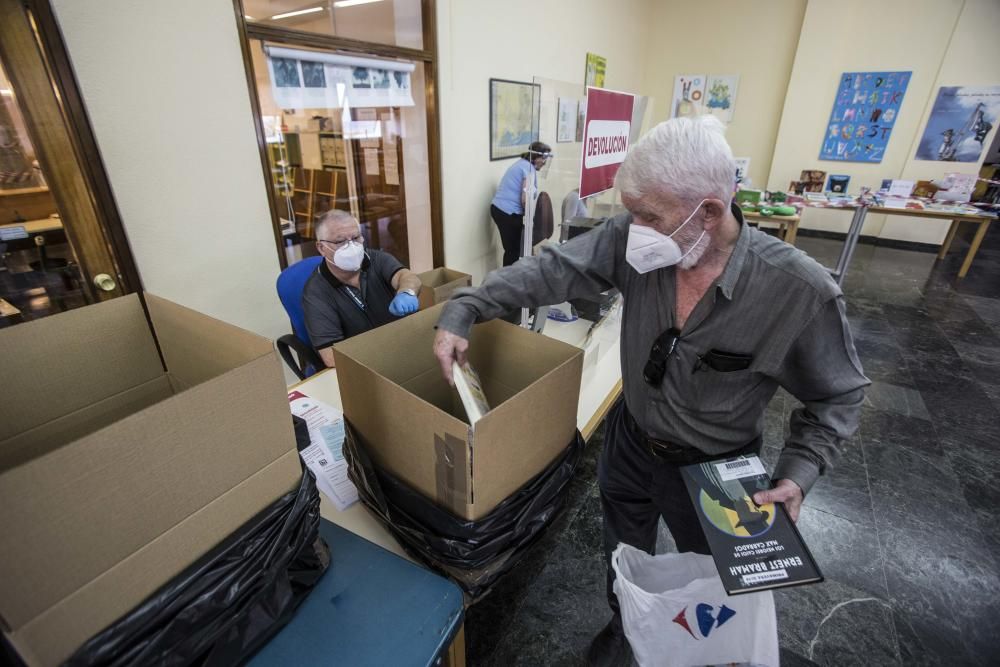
325, 456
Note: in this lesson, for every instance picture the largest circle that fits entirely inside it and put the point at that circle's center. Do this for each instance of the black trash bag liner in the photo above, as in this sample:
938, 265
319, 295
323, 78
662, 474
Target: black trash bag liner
228, 604
473, 553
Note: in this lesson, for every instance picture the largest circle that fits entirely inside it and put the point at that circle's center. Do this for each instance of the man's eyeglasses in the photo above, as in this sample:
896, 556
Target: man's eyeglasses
340, 244
662, 348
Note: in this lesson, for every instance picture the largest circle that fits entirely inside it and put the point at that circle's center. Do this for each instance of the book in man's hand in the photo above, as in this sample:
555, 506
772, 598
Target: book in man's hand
470, 390
755, 547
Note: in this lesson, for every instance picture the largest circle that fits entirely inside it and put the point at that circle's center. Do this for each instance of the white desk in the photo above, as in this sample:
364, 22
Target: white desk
600, 385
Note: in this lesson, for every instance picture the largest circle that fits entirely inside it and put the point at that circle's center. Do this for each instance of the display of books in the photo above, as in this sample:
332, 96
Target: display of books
755, 547
470, 390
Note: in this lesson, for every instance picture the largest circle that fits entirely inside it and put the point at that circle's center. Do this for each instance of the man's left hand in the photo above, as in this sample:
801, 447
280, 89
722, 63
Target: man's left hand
404, 304
785, 491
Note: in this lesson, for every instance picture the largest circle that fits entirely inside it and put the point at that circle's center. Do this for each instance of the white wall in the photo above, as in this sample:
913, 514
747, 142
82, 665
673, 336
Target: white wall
756, 40
920, 34
166, 93
518, 40
971, 59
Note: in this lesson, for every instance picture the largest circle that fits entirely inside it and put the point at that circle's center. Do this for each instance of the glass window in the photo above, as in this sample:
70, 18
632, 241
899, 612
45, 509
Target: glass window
39, 270
396, 22
350, 133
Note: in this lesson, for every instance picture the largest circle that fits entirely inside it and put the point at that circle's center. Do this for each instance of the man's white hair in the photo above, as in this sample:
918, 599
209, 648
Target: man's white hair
331, 217
687, 157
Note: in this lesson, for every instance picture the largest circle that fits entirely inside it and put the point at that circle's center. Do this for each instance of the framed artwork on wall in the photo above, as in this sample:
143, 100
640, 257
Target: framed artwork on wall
594, 73
566, 121
515, 109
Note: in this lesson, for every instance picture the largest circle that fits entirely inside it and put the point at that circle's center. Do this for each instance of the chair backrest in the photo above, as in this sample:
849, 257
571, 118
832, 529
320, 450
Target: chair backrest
291, 282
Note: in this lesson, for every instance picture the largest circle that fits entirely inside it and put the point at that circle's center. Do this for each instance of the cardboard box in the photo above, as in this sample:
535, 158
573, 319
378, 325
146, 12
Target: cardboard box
438, 285
119, 469
414, 425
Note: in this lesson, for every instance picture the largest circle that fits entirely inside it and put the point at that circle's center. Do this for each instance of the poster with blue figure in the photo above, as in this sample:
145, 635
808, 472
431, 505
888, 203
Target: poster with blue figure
959, 123
865, 110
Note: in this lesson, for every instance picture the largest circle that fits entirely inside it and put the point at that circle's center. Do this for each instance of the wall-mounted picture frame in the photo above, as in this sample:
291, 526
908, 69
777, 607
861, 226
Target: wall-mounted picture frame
566, 120
515, 112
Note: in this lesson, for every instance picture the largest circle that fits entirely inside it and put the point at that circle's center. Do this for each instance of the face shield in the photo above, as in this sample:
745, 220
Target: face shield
543, 171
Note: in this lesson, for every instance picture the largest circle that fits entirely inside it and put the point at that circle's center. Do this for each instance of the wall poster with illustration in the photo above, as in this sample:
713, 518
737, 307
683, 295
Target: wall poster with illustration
865, 110
960, 121
515, 110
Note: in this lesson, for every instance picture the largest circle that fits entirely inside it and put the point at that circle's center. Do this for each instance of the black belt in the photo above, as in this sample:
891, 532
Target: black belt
682, 454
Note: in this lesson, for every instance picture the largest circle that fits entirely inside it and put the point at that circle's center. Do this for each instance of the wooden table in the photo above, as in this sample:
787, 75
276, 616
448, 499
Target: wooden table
789, 224
858, 221
35, 226
956, 220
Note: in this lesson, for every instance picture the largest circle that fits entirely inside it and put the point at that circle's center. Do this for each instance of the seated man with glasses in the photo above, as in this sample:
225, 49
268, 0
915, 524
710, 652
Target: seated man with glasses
717, 316
354, 290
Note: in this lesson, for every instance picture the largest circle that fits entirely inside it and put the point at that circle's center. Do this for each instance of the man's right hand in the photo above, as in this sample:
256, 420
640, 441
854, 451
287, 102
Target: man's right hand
449, 347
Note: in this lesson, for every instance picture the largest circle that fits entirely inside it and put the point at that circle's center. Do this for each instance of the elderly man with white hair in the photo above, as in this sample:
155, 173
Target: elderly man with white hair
717, 316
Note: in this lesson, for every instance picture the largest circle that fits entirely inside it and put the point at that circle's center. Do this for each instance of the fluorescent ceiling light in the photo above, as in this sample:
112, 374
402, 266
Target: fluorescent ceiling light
249, 18
297, 13
340, 4
6, 92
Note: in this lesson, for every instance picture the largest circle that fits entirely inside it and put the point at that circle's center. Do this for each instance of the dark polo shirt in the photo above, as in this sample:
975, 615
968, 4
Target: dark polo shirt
335, 311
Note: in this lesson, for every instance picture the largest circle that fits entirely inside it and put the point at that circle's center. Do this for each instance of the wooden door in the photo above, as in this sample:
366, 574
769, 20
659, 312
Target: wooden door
42, 87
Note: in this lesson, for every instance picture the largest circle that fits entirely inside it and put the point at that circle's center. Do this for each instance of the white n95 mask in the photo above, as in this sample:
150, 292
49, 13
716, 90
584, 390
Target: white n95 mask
648, 249
350, 257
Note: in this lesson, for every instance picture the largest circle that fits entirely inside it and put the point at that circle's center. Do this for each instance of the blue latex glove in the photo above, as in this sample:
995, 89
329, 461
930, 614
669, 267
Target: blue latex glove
404, 304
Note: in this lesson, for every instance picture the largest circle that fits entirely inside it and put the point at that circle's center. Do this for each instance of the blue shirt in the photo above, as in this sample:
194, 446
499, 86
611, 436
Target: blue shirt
508, 196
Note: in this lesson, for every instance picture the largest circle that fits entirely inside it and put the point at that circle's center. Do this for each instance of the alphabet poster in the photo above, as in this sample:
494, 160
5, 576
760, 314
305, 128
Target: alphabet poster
865, 110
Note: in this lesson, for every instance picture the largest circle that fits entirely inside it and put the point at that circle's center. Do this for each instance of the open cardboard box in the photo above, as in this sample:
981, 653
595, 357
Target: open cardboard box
414, 425
438, 285
118, 469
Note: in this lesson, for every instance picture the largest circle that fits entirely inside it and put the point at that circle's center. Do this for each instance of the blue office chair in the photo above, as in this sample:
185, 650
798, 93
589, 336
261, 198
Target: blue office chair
306, 360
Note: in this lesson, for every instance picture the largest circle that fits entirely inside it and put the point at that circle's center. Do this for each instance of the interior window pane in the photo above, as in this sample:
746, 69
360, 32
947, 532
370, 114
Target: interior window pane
39, 270
350, 133
396, 22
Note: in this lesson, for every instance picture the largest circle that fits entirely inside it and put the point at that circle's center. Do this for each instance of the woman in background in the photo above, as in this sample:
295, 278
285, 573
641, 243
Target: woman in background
507, 208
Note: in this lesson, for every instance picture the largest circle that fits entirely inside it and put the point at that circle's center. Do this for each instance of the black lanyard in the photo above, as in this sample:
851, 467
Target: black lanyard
357, 301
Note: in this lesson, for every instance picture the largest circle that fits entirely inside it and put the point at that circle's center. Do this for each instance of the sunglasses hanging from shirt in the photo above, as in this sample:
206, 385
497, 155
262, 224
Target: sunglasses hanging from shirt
663, 347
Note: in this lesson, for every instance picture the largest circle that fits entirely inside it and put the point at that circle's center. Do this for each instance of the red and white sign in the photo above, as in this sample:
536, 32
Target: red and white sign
605, 139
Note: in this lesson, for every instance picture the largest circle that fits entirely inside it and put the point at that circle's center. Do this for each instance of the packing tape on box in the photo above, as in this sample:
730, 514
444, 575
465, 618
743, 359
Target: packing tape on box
451, 460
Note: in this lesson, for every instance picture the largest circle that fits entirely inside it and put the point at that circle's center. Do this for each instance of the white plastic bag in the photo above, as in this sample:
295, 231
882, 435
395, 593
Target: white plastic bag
676, 613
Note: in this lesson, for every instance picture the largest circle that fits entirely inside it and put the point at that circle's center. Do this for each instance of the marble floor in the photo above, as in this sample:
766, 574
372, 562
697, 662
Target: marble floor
903, 528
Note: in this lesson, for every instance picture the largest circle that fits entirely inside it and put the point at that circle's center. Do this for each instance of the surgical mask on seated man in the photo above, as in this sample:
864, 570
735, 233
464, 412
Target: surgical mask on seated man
350, 256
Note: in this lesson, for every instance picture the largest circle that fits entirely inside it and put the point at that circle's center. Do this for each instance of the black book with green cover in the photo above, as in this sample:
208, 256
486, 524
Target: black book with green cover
755, 547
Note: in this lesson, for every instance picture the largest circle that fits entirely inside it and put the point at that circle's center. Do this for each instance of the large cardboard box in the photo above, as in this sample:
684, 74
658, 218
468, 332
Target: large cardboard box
414, 425
438, 285
119, 467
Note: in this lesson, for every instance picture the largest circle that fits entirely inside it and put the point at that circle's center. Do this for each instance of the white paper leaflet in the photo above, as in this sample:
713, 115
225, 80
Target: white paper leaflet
740, 468
325, 456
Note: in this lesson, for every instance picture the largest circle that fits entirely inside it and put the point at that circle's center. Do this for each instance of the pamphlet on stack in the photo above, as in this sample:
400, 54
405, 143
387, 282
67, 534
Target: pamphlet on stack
470, 390
755, 547
325, 456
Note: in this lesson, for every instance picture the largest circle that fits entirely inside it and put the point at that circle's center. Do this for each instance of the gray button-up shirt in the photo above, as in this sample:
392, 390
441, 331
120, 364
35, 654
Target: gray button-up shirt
772, 302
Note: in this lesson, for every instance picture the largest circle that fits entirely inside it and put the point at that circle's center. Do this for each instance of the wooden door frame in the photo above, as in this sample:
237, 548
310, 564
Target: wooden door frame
36, 60
427, 56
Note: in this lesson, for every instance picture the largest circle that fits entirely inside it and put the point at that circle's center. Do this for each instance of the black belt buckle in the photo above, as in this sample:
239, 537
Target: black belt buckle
666, 450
